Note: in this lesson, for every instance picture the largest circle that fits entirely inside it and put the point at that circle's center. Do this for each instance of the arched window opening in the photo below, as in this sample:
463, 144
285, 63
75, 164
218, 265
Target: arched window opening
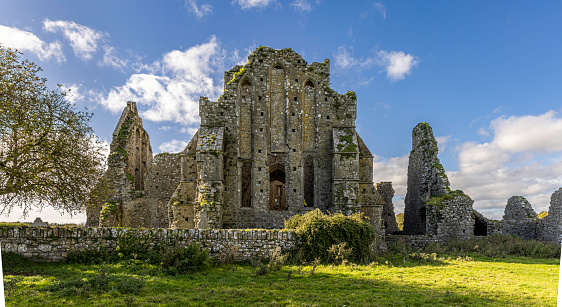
308, 179
277, 199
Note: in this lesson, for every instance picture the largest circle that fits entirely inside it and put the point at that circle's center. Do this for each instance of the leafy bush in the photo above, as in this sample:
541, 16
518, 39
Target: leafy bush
318, 232
179, 260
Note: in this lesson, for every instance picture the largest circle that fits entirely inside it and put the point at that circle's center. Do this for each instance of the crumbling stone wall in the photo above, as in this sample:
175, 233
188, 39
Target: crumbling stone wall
551, 225
289, 145
54, 244
387, 192
150, 209
519, 218
129, 160
426, 179
450, 216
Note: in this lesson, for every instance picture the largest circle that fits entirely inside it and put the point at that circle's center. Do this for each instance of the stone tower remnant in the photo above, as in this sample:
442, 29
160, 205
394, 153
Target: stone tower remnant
389, 219
426, 178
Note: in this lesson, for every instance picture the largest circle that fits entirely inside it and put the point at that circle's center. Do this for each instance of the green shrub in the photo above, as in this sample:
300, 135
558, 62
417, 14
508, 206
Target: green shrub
178, 260
318, 232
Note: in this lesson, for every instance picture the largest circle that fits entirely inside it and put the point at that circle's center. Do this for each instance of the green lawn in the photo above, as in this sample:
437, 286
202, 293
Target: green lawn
434, 282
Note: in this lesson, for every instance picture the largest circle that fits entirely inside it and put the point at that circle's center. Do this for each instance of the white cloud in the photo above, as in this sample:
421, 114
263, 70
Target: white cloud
524, 158
394, 169
344, 59
172, 146
171, 89
29, 42
110, 58
397, 63
199, 11
83, 40
374, 7
251, 4
541, 133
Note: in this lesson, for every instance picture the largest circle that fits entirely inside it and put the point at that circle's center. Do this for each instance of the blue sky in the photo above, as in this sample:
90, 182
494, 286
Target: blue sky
484, 74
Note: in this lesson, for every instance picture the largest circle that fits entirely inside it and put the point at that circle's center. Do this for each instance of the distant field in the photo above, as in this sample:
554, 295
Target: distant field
427, 281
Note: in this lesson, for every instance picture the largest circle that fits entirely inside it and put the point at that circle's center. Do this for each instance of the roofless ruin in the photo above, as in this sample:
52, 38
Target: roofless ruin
280, 142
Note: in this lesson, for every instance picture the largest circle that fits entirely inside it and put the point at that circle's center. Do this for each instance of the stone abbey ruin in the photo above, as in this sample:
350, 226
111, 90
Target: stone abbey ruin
280, 142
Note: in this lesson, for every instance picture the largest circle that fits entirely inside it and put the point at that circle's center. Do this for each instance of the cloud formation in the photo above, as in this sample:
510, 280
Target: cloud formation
397, 64
29, 42
170, 90
524, 158
173, 146
83, 40
253, 4
199, 11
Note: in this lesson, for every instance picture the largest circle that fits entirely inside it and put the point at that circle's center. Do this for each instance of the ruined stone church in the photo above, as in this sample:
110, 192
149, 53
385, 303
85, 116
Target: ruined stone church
278, 142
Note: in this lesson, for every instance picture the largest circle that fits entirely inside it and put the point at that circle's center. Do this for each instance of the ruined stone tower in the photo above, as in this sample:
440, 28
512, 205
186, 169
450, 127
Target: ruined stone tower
278, 142
128, 163
426, 178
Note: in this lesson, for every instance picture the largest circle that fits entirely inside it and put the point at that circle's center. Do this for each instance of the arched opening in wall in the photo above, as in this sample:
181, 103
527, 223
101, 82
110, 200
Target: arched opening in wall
480, 226
246, 185
277, 199
423, 216
308, 180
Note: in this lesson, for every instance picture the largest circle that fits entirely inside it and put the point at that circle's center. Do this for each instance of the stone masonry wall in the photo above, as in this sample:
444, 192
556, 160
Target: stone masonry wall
519, 218
551, 226
54, 244
387, 192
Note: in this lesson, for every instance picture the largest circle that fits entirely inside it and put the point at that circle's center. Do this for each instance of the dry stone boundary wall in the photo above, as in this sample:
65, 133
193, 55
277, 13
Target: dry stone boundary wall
54, 244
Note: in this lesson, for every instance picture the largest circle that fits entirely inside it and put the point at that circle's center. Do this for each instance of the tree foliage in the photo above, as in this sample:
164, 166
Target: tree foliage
48, 152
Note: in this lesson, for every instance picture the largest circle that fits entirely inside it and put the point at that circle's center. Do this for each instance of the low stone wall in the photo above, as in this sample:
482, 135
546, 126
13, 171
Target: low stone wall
415, 242
54, 244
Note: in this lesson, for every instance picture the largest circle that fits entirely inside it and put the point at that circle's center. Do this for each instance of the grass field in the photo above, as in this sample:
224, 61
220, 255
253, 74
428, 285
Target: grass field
426, 281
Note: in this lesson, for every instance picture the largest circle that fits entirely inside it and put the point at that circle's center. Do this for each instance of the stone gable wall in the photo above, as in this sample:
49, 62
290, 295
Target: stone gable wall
54, 244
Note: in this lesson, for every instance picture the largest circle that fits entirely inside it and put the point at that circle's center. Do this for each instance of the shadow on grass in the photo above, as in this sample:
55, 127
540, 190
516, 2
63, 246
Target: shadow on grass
238, 285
